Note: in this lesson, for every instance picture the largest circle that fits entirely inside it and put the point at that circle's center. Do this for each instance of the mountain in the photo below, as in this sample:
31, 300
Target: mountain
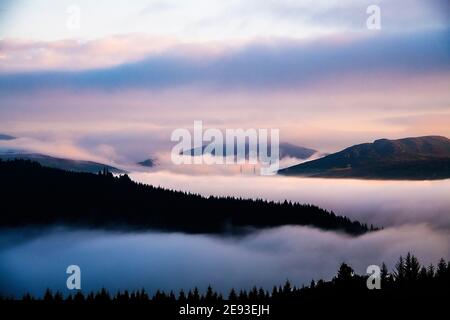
286, 150
147, 163
294, 151
6, 137
60, 163
37, 195
419, 158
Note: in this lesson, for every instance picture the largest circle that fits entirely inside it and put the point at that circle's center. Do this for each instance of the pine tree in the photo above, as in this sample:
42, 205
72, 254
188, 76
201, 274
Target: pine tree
196, 295
58, 297
262, 294
384, 273
232, 296
287, 287
253, 294
399, 272
243, 296
430, 271
441, 268
423, 276
48, 295
345, 272
182, 296
79, 297
209, 294
412, 267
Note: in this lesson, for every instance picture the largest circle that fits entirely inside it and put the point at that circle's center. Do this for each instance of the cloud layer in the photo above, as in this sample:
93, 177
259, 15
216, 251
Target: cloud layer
269, 65
214, 20
154, 260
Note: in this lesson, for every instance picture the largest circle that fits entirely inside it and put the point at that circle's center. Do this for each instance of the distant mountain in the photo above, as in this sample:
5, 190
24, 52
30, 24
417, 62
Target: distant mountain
420, 158
286, 150
147, 163
6, 137
60, 163
294, 151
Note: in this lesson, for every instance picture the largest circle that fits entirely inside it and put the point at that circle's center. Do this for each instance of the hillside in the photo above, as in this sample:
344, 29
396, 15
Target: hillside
60, 163
420, 158
286, 150
33, 194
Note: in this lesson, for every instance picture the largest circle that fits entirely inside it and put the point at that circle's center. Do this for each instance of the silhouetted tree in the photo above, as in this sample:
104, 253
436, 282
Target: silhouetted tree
345, 273
399, 272
441, 268
232, 296
430, 271
346, 289
48, 295
411, 267
182, 296
384, 273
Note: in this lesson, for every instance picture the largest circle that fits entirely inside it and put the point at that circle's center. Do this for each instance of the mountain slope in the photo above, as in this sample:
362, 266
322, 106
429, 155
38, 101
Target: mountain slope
60, 163
420, 158
6, 137
147, 163
294, 151
286, 150
32, 194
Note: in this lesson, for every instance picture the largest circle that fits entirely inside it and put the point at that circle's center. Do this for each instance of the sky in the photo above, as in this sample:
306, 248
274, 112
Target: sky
110, 80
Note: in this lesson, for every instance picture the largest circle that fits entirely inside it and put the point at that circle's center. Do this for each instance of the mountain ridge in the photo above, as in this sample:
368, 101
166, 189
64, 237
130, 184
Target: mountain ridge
6, 137
149, 163
412, 158
286, 150
38, 195
61, 163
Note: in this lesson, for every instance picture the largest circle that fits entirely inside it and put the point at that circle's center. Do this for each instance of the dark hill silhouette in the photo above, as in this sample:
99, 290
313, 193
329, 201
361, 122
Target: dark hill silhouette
294, 151
33, 194
286, 150
421, 158
60, 163
6, 137
147, 163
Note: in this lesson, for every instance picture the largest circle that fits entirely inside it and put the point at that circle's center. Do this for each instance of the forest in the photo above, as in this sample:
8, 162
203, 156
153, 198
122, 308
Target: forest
37, 195
408, 286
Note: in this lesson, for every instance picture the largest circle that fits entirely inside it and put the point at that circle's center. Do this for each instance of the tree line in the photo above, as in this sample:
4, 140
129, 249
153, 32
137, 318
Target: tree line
37, 195
409, 283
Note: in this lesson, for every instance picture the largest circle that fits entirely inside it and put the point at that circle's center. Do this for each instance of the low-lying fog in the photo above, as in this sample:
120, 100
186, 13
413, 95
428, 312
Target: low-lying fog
415, 216
171, 261
378, 202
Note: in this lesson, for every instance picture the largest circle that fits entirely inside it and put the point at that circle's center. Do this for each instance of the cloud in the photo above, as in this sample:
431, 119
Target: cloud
381, 203
329, 117
216, 20
18, 55
268, 66
62, 147
265, 258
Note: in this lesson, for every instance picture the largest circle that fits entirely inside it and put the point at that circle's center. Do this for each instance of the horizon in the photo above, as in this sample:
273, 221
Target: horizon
109, 82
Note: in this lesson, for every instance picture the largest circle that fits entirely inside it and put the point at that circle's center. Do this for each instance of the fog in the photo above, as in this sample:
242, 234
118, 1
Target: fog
382, 203
172, 261
415, 216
